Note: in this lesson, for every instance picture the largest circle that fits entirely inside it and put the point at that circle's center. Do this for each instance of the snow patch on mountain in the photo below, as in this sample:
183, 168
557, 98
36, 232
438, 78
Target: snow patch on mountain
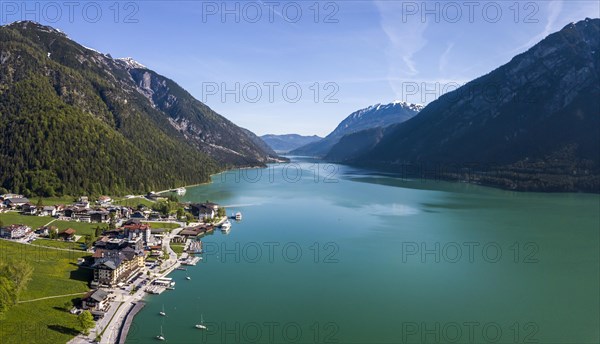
130, 63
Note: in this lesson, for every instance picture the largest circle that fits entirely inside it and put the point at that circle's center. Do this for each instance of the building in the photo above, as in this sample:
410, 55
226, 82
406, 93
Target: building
95, 300
138, 215
29, 209
114, 266
196, 230
14, 231
16, 202
136, 229
10, 195
47, 211
46, 230
68, 234
99, 216
104, 200
204, 210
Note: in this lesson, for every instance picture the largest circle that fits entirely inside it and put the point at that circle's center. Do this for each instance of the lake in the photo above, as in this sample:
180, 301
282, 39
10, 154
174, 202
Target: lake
351, 256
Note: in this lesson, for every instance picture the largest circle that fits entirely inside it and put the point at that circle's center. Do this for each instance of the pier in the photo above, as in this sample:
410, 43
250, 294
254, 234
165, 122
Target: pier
191, 261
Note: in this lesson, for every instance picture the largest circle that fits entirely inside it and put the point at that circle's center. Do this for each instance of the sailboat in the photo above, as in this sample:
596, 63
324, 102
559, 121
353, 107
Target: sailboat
201, 324
160, 336
163, 311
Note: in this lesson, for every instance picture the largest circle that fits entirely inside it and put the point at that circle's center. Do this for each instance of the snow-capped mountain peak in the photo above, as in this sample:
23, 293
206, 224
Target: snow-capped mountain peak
130, 63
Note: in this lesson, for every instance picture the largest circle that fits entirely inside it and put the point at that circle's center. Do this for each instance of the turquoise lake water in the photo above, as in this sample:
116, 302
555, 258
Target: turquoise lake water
350, 256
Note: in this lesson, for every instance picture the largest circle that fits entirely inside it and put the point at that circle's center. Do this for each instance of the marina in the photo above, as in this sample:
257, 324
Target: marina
191, 261
195, 246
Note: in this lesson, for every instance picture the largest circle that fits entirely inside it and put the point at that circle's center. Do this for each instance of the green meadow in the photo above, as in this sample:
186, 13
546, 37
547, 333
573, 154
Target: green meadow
55, 273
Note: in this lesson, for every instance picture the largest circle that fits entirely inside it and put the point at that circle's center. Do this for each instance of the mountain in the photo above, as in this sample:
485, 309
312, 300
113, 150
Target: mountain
76, 121
354, 145
531, 124
372, 117
288, 142
259, 142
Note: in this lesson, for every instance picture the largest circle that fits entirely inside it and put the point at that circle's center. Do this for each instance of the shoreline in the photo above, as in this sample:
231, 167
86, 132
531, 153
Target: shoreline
137, 299
124, 331
216, 174
130, 317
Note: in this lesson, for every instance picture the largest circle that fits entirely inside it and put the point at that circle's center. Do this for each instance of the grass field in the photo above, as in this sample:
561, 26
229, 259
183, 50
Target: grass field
56, 200
167, 225
55, 273
82, 228
58, 244
32, 221
134, 202
177, 248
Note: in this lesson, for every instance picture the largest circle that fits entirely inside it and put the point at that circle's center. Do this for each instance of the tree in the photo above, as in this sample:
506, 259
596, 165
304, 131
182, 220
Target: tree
89, 240
189, 218
14, 276
180, 213
221, 212
98, 231
86, 321
67, 306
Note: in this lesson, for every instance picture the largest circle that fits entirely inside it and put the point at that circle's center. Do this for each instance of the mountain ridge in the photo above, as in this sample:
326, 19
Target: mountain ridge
539, 127
287, 142
173, 138
378, 115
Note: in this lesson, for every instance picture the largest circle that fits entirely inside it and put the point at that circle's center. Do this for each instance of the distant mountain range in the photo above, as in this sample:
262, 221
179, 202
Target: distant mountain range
532, 124
376, 116
77, 121
288, 142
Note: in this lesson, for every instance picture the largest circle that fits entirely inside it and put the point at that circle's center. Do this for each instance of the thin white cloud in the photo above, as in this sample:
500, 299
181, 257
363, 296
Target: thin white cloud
443, 63
405, 40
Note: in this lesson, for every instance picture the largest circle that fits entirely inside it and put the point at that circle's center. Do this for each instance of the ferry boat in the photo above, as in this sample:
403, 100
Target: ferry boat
226, 226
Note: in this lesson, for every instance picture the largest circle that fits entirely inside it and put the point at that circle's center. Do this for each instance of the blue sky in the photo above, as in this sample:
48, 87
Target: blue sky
341, 55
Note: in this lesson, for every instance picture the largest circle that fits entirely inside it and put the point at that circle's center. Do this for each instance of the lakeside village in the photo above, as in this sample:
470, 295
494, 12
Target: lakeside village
130, 253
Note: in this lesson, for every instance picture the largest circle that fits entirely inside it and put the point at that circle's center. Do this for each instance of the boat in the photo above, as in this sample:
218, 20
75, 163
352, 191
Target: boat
201, 325
161, 335
238, 216
163, 311
226, 226
188, 278
182, 269
170, 288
